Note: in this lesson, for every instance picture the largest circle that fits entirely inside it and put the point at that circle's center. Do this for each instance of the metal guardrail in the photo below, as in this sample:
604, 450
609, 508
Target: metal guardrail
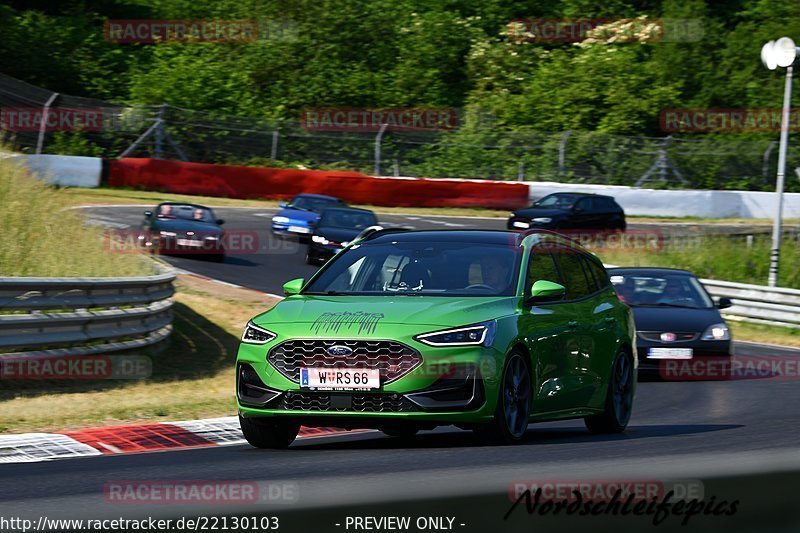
79, 316
757, 303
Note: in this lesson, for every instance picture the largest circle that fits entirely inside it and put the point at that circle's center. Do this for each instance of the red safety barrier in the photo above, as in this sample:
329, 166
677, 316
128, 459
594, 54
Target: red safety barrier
252, 182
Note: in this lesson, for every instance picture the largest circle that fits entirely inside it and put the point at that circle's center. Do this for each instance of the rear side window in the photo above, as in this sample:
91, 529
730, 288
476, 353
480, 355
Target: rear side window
572, 271
603, 204
541, 266
597, 272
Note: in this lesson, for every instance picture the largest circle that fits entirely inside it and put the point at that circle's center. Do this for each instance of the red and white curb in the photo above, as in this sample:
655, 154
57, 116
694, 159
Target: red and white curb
147, 437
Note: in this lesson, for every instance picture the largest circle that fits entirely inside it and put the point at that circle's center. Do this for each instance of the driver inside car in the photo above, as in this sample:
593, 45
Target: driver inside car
494, 273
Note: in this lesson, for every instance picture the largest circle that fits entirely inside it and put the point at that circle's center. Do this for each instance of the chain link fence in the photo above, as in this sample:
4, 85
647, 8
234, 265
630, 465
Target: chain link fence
478, 149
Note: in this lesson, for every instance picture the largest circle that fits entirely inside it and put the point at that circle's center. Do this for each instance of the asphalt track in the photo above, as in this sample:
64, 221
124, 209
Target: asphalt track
679, 430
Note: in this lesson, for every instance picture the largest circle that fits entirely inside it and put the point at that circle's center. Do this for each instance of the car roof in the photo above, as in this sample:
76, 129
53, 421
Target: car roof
593, 195
184, 203
493, 237
652, 270
320, 196
345, 208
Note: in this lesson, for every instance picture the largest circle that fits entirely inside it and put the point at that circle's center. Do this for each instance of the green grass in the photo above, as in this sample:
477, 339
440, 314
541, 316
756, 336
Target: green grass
43, 237
716, 257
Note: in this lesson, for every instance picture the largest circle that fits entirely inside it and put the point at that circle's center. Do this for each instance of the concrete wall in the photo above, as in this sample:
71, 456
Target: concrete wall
681, 203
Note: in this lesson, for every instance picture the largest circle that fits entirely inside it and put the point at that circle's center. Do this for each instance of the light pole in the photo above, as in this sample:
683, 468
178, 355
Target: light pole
780, 53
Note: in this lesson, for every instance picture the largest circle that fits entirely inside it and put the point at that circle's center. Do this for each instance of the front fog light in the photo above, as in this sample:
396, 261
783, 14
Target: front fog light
476, 335
256, 335
717, 332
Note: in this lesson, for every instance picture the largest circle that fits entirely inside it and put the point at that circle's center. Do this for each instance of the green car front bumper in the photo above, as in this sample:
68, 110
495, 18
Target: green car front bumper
423, 384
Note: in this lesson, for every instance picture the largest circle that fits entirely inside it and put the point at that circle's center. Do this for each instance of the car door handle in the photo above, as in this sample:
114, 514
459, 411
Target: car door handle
610, 319
572, 324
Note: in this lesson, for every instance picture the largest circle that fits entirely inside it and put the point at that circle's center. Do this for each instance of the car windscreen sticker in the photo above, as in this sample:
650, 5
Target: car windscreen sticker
333, 322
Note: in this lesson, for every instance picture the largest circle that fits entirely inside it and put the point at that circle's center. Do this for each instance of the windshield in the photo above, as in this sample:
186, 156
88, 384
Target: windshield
421, 269
342, 218
311, 204
186, 212
560, 201
643, 290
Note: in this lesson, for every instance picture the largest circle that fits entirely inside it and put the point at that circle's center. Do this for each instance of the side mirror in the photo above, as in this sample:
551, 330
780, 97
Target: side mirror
293, 287
282, 205
220, 221
724, 303
148, 213
544, 290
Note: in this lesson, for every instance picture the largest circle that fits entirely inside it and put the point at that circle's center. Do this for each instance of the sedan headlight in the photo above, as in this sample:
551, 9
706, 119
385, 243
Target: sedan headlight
256, 335
320, 239
476, 335
717, 332
280, 220
543, 220
212, 237
167, 233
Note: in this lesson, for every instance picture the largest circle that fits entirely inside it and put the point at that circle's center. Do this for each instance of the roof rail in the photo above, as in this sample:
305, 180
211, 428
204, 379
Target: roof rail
376, 231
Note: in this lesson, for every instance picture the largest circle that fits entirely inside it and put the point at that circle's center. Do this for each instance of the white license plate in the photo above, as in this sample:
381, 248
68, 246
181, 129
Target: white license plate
669, 353
340, 378
299, 229
518, 224
188, 242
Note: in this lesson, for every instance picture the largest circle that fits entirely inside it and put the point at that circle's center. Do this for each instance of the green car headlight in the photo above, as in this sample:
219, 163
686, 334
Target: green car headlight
256, 335
475, 335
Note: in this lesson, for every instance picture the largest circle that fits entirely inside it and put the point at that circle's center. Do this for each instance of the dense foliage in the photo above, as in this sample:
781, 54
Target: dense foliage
414, 53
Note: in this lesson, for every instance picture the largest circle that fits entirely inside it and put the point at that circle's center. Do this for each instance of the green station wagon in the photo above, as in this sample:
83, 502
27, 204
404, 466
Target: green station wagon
409, 330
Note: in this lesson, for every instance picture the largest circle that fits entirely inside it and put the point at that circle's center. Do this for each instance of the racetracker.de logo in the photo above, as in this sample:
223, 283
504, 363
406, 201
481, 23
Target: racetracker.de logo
726, 120
236, 242
373, 120
180, 31
76, 367
198, 492
20, 119
619, 31
782, 368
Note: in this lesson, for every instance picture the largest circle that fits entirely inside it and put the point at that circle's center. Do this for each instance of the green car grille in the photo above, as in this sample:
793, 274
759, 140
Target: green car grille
393, 359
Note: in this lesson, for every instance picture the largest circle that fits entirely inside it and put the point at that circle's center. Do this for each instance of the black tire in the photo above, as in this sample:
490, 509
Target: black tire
218, 258
513, 403
401, 432
310, 260
619, 399
269, 432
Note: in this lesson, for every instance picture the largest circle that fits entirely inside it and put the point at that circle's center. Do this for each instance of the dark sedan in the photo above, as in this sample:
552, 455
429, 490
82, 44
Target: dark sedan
569, 210
337, 227
675, 316
183, 229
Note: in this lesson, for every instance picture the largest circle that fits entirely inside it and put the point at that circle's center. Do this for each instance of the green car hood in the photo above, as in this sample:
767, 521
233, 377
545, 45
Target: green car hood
365, 312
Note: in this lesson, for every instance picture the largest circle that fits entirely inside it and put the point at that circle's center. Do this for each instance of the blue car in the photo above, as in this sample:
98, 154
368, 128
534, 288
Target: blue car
299, 216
